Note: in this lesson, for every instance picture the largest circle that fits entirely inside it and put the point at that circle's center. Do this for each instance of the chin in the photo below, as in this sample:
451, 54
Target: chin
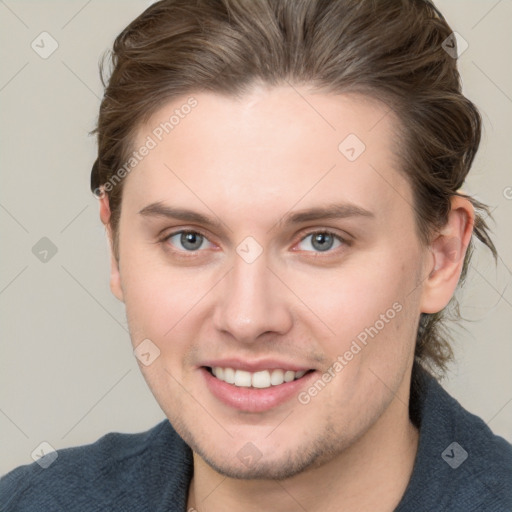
249, 463
280, 468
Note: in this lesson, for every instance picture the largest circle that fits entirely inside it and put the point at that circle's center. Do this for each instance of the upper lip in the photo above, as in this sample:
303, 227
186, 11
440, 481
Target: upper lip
255, 366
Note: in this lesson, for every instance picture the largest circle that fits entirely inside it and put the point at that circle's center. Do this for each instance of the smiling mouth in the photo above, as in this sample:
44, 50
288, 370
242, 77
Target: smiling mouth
259, 380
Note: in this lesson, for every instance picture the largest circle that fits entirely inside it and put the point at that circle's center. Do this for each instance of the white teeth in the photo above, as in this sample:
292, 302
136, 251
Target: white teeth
277, 377
242, 379
229, 375
289, 376
261, 379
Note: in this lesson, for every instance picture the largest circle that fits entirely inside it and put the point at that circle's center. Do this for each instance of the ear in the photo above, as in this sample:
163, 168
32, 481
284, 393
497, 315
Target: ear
448, 250
115, 276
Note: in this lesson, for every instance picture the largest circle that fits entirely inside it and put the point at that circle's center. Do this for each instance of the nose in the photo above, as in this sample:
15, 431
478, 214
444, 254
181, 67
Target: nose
252, 302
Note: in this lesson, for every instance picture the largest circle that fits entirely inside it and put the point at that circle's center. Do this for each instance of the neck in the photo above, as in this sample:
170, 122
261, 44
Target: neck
372, 474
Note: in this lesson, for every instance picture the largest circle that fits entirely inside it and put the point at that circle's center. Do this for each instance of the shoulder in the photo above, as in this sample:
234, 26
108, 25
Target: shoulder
117, 469
480, 462
460, 464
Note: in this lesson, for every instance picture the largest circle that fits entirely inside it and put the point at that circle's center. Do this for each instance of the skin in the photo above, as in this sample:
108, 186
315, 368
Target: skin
248, 162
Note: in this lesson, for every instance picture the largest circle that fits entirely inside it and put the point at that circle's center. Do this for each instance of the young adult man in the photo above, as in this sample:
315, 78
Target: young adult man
280, 183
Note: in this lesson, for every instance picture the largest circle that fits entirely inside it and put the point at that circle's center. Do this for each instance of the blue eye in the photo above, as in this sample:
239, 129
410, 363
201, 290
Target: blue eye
323, 241
190, 240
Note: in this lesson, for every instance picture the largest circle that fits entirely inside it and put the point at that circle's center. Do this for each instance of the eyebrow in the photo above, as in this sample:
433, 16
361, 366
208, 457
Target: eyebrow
161, 210
333, 211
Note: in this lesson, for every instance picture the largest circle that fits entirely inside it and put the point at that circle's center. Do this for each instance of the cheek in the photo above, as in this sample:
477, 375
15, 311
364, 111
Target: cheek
372, 314
157, 298
356, 296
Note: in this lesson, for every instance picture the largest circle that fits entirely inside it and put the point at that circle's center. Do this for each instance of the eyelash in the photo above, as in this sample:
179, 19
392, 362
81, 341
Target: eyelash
192, 254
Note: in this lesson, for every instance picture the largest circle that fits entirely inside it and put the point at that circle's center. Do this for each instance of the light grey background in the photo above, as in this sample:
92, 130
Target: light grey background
68, 375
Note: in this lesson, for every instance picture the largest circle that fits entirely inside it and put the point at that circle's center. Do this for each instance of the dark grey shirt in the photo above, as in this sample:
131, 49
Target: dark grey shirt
460, 466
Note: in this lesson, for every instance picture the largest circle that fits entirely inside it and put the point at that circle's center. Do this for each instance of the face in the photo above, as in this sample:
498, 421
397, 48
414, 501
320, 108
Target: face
260, 241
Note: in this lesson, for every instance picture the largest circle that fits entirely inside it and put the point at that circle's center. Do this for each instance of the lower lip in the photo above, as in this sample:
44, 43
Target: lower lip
254, 399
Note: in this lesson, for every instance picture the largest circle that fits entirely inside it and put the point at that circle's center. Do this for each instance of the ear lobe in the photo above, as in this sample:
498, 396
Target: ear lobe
448, 251
115, 275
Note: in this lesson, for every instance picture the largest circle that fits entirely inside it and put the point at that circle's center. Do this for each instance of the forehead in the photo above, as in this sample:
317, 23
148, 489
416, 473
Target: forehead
273, 147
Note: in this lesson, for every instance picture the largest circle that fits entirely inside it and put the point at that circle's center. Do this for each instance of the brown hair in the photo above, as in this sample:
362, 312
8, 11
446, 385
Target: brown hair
391, 50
